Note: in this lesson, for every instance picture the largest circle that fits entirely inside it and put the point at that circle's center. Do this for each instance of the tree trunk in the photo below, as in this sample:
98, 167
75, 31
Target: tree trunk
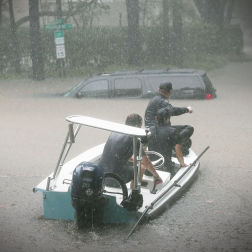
1, 12
166, 32
177, 45
214, 11
70, 7
14, 40
35, 40
134, 46
144, 12
228, 12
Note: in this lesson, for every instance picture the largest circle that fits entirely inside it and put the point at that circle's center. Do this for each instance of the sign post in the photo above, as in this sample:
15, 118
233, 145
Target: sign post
60, 44
59, 27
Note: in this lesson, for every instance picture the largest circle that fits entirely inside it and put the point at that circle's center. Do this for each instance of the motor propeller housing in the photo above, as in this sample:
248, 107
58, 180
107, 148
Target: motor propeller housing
86, 194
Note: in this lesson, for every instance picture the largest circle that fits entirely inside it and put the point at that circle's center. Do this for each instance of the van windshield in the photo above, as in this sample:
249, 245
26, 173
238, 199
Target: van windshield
70, 91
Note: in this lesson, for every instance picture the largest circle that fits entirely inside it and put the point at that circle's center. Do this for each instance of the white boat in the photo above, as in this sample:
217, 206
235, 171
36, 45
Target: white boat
57, 187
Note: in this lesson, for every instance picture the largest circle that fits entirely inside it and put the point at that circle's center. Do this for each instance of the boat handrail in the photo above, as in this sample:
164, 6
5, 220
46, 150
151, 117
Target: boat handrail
69, 140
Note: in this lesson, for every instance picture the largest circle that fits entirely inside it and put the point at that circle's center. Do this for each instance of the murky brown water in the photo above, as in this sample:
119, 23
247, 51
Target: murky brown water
215, 214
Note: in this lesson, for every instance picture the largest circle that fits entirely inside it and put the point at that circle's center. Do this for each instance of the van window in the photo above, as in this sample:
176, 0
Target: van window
178, 82
97, 88
128, 87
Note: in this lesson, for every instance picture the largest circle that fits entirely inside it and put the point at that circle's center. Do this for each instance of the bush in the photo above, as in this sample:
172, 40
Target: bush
95, 49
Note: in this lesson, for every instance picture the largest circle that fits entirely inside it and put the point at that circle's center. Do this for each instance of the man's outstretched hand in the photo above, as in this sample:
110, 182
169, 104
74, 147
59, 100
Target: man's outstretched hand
190, 110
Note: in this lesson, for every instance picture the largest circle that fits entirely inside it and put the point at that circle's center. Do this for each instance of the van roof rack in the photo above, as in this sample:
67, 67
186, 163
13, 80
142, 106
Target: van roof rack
156, 71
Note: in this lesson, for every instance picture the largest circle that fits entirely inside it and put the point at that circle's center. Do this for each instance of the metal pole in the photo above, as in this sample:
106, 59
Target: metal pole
75, 134
135, 161
62, 157
71, 133
61, 62
59, 8
139, 164
61, 154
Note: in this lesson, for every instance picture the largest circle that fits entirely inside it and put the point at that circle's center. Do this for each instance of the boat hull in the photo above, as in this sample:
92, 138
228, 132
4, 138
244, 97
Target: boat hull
57, 202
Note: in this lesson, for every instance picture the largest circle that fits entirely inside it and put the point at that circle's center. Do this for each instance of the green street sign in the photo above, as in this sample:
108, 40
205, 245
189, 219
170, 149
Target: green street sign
59, 34
51, 27
58, 26
59, 37
66, 26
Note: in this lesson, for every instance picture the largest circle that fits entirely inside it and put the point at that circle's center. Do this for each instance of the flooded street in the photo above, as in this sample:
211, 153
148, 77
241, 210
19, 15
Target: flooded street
215, 214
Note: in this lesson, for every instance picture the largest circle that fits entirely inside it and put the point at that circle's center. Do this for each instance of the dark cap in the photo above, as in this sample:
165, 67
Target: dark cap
163, 114
167, 86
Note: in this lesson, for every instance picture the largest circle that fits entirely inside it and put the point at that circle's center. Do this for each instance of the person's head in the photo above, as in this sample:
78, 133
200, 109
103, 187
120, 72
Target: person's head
163, 116
134, 120
165, 89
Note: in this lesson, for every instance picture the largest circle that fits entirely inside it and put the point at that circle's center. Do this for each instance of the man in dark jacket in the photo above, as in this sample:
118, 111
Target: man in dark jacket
161, 101
119, 149
164, 138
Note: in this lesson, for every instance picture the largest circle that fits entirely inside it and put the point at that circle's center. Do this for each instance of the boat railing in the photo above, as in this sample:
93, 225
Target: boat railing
69, 140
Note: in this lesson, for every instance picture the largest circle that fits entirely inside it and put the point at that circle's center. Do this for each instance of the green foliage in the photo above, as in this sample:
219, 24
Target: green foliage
209, 39
95, 47
100, 49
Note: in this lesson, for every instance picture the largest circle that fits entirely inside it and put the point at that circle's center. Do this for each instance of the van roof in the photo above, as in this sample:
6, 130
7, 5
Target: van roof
158, 71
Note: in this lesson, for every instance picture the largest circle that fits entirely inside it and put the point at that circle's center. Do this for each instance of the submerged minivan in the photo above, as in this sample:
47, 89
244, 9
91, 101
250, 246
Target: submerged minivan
187, 84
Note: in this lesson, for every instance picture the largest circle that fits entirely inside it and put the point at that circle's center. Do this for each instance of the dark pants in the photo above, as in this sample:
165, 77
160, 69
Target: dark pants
185, 132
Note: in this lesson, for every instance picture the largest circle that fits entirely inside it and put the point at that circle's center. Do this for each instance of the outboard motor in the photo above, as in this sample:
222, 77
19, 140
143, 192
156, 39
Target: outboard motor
86, 194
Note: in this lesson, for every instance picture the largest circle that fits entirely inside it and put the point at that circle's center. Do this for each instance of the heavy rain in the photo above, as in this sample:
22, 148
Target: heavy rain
49, 46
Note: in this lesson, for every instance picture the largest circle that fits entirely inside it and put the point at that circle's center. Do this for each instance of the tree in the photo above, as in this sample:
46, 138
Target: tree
74, 9
36, 46
217, 12
3, 7
1, 11
166, 31
14, 40
177, 41
134, 46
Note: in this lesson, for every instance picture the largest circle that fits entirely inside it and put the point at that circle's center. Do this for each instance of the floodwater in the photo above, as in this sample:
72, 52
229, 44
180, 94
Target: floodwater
215, 214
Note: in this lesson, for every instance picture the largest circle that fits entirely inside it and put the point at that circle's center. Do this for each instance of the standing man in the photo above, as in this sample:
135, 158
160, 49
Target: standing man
161, 101
164, 138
